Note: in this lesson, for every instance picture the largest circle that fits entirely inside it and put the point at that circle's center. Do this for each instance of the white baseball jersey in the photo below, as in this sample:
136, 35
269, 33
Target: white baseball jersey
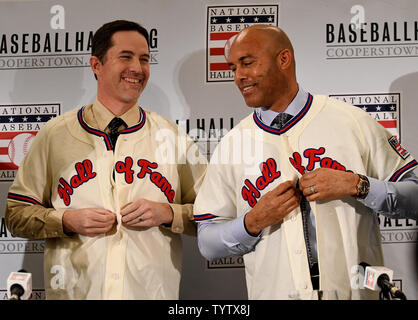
253, 158
70, 166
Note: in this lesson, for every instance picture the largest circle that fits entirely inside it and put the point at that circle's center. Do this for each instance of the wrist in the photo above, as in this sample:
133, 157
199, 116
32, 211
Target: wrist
250, 226
362, 187
66, 227
169, 217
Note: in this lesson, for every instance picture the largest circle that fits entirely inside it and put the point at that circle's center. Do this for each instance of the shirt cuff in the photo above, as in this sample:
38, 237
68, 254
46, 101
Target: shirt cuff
376, 198
183, 221
54, 227
240, 234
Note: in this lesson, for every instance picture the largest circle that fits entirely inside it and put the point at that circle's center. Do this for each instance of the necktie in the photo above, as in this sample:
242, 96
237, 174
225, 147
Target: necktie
306, 208
114, 129
280, 120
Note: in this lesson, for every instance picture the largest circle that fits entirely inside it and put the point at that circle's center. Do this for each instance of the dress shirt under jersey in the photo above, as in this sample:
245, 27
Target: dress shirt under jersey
386, 198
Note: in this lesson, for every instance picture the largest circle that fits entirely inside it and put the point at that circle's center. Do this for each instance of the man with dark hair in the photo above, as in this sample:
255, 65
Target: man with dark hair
111, 209
102, 38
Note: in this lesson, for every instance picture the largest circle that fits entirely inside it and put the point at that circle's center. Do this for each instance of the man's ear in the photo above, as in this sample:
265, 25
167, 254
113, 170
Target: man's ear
284, 59
95, 65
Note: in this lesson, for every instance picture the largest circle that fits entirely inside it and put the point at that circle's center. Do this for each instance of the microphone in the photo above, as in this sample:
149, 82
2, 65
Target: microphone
19, 285
381, 277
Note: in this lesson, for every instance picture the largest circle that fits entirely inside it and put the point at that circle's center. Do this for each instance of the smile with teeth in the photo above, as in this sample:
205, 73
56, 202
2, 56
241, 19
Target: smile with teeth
131, 80
245, 89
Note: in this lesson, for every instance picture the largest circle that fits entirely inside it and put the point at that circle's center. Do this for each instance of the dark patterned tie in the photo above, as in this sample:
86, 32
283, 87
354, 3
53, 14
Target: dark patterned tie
115, 126
306, 209
280, 120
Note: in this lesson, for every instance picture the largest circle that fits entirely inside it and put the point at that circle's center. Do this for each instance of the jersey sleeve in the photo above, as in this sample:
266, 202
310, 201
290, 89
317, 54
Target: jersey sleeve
385, 158
29, 213
216, 200
192, 169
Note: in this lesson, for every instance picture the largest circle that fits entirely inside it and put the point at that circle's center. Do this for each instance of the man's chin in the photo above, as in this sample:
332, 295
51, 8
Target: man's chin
252, 105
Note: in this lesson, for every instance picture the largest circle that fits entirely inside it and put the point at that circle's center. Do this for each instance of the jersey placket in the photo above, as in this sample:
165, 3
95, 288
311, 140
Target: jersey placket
116, 243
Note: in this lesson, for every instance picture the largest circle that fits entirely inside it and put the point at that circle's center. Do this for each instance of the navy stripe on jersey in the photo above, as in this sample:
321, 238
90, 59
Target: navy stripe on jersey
103, 134
288, 125
402, 170
19, 197
137, 126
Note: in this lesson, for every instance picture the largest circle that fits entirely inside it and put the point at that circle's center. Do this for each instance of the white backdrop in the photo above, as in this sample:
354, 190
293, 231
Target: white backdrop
44, 51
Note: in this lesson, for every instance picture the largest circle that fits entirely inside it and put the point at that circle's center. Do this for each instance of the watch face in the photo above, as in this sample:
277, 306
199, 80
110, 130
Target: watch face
363, 187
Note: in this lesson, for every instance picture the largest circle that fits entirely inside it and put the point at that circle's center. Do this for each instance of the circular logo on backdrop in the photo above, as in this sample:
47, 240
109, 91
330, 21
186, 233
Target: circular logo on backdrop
19, 146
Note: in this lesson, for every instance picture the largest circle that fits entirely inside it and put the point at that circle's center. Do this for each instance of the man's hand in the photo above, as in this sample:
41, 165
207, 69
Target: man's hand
328, 184
272, 207
88, 222
146, 213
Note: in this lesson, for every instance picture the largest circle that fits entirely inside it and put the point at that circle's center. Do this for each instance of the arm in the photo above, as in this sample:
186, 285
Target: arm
33, 221
38, 222
239, 236
218, 240
29, 212
392, 199
191, 173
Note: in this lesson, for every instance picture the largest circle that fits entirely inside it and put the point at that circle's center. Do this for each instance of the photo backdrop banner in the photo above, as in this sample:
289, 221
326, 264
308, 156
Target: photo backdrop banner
363, 52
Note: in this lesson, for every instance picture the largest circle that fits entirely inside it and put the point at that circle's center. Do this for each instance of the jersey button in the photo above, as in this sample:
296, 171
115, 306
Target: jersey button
115, 276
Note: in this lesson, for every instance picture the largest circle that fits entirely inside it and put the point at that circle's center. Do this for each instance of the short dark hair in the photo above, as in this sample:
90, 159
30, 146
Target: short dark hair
102, 38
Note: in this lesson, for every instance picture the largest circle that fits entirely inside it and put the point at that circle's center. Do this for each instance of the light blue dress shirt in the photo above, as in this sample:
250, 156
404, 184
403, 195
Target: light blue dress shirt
391, 199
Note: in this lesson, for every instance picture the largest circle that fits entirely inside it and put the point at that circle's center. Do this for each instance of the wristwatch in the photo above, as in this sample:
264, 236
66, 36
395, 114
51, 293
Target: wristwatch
363, 187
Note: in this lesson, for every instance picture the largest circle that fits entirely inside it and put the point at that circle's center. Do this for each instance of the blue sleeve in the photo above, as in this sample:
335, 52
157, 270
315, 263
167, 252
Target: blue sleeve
394, 199
225, 239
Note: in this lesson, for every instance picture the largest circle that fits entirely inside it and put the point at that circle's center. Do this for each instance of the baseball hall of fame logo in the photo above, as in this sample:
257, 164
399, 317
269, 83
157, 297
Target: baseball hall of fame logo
19, 123
223, 24
383, 107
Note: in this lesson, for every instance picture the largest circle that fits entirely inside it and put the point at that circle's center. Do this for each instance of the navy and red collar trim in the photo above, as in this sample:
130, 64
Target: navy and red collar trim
290, 124
102, 134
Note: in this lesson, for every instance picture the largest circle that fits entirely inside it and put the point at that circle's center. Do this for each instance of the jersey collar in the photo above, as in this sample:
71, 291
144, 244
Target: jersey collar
289, 125
102, 134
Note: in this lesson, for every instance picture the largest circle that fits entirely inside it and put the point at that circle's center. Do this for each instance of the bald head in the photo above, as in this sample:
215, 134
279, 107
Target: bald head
262, 59
273, 38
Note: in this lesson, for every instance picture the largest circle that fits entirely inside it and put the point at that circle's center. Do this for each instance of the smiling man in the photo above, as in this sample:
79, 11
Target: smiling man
111, 209
304, 216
